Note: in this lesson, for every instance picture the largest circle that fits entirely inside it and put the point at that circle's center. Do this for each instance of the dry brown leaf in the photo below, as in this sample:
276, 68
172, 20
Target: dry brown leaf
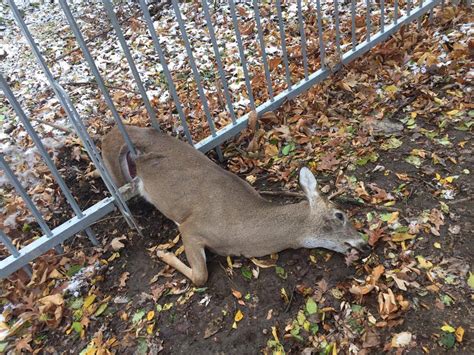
253, 119
123, 279
236, 294
264, 264
116, 243
56, 300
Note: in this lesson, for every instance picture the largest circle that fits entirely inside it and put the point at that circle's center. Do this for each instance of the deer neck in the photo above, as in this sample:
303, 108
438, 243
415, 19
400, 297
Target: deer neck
285, 224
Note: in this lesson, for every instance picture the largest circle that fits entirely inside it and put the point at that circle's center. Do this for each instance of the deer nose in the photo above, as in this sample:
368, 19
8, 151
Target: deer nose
365, 249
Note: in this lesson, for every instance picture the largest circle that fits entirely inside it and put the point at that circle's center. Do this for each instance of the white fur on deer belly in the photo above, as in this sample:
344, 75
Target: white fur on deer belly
142, 192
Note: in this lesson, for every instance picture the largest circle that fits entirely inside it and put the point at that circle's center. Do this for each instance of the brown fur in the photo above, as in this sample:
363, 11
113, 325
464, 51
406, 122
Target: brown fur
217, 210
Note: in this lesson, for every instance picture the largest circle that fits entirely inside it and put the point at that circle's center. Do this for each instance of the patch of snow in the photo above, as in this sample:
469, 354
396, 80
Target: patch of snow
81, 279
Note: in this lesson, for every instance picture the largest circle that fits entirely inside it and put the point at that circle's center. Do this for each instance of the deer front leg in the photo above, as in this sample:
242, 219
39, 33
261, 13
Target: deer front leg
196, 256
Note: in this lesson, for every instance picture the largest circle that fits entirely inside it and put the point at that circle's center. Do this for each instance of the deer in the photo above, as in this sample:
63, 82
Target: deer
217, 210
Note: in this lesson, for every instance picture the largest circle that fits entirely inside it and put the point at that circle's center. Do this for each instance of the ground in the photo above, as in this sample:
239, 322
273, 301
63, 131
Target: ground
389, 136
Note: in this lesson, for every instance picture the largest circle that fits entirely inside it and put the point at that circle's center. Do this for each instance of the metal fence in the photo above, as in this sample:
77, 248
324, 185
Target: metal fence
351, 40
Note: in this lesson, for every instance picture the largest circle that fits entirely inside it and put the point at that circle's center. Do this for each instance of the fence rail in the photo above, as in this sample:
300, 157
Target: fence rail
319, 55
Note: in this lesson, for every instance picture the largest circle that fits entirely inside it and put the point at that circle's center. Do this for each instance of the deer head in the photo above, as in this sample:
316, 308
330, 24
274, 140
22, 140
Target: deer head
327, 226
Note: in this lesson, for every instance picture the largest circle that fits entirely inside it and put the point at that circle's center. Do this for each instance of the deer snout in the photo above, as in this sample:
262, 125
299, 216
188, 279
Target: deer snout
361, 245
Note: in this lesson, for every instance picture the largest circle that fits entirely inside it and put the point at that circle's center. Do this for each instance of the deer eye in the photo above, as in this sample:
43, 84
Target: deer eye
340, 216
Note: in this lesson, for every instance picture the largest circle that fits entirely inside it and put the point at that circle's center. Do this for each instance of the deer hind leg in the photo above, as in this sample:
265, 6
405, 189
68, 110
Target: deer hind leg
196, 256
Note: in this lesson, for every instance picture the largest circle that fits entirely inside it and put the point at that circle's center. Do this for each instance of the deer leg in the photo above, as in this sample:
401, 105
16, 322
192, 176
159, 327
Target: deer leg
173, 261
196, 256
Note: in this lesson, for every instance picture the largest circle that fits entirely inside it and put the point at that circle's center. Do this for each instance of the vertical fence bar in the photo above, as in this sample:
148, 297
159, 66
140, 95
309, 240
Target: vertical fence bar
118, 31
382, 16
197, 75
166, 71
338, 31
29, 203
409, 6
353, 26
368, 20
97, 76
283, 43
243, 60
73, 115
13, 250
94, 155
39, 145
220, 66
395, 11
322, 50
303, 40
262, 49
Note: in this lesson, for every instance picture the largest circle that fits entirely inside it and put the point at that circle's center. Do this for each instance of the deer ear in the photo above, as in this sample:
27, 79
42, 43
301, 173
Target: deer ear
309, 185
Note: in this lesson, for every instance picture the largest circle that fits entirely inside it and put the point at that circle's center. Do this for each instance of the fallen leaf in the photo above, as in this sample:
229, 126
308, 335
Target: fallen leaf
413, 160
459, 334
387, 303
375, 235
213, 327
238, 316
137, 317
116, 243
391, 143
361, 290
150, 315
401, 340
447, 328
371, 339
454, 229
423, 262
236, 294
311, 306
88, 301
400, 237
149, 328
328, 162
264, 264
351, 257
56, 299
470, 280
101, 309
123, 279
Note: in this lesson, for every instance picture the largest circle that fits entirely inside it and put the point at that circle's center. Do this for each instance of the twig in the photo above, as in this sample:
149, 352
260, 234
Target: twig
367, 205
54, 125
404, 104
462, 200
93, 83
290, 300
336, 193
425, 182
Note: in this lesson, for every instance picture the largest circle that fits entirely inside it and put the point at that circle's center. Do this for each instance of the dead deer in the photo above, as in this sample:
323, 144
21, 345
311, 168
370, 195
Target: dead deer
217, 210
